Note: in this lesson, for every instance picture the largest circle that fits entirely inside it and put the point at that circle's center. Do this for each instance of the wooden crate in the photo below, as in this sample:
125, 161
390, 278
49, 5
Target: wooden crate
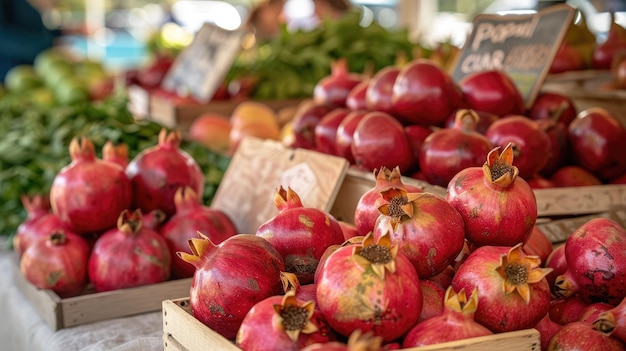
90, 307
559, 229
183, 332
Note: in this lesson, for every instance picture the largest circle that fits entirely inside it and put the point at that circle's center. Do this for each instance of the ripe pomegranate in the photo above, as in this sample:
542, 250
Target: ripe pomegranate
157, 172
595, 277
559, 150
300, 234
492, 91
497, 206
553, 106
428, 230
417, 135
564, 310
557, 261
231, 278
325, 131
484, 120
117, 154
513, 292
424, 93
282, 323
57, 262
356, 97
540, 182
366, 210
379, 93
447, 151
129, 256
528, 140
456, 322
538, 244
190, 218
612, 322
305, 292
433, 296
592, 311
89, 194
356, 341
573, 175
37, 209
334, 89
547, 328
308, 115
345, 134
371, 287
582, 336
380, 140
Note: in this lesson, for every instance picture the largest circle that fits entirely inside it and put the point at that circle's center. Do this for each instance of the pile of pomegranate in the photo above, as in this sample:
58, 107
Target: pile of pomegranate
110, 223
416, 117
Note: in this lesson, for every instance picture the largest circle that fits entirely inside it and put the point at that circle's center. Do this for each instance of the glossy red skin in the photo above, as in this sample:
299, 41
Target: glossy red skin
345, 134
567, 310
348, 296
618, 315
572, 176
444, 278
558, 262
89, 194
582, 336
591, 312
546, 104
424, 93
484, 120
259, 333
431, 239
304, 123
334, 88
378, 96
39, 221
417, 135
558, 152
356, 97
538, 244
190, 218
125, 259
44, 259
380, 140
621, 179
348, 230
539, 182
597, 277
231, 278
604, 52
447, 151
529, 142
326, 130
480, 203
492, 91
567, 59
597, 140
433, 295
547, 328
498, 311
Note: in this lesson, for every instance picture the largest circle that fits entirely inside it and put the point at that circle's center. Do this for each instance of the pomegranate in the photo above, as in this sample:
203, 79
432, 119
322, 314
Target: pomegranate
547, 328
417, 135
379, 93
380, 140
484, 120
305, 292
156, 173
326, 130
592, 312
559, 150
117, 154
333, 89
492, 91
456, 322
540, 182
154, 219
300, 234
89, 194
282, 323
583, 336
231, 278
604, 52
357, 341
190, 218
447, 151
433, 296
345, 134
330, 250
513, 292
37, 208
529, 142
557, 261
425, 94
57, 262
356, 97
428, 230
371, 287
538, 244
308, 115
566, 310
497, 206
596, 255
366, 210
573, 175
553, 106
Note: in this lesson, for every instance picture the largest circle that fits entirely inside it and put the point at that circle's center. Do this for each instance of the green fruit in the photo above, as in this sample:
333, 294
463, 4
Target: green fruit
21, 78
71, 91
43, 97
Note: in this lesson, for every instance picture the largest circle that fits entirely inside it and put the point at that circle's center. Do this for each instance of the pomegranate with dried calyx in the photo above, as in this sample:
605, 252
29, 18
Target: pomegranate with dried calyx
456, 322
129, 255
89, 193
39, 221
592, 312
300, 234
371, 287
428, 230
512, 291
156, 173
333, 89
497, 206
582, 336
230, 278
595, 277
117, 154
612, 322
190, 218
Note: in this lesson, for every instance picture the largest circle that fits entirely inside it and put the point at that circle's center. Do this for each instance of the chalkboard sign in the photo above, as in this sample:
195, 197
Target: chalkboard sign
523, 46
201, 67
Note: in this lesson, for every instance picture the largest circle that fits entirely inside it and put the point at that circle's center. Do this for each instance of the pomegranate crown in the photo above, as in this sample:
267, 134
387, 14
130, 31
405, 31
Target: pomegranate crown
380, 256
499, 167
519, 270
294, 317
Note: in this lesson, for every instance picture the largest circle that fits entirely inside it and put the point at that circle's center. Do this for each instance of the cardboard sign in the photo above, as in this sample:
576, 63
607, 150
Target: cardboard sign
523, 46
201, 67
260, 167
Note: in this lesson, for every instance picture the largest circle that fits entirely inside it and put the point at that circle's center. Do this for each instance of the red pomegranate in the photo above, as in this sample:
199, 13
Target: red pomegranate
356, 341
484, 119
572, 176
538, 244
379, 93
345, 134
334, 89
38, 213
592, 311
557, 261
371, 287
325, 131
433, 296
428, 230
190, 218
492, 91
497, 206
89, 194
582, 336
553, 106
613, 321
117, 154
547, 328
513, 293
564, 310
307, 117
356, 97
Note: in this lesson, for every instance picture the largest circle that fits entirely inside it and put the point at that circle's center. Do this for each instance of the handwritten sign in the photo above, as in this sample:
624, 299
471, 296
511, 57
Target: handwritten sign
201, 67
523, 46
260, 167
